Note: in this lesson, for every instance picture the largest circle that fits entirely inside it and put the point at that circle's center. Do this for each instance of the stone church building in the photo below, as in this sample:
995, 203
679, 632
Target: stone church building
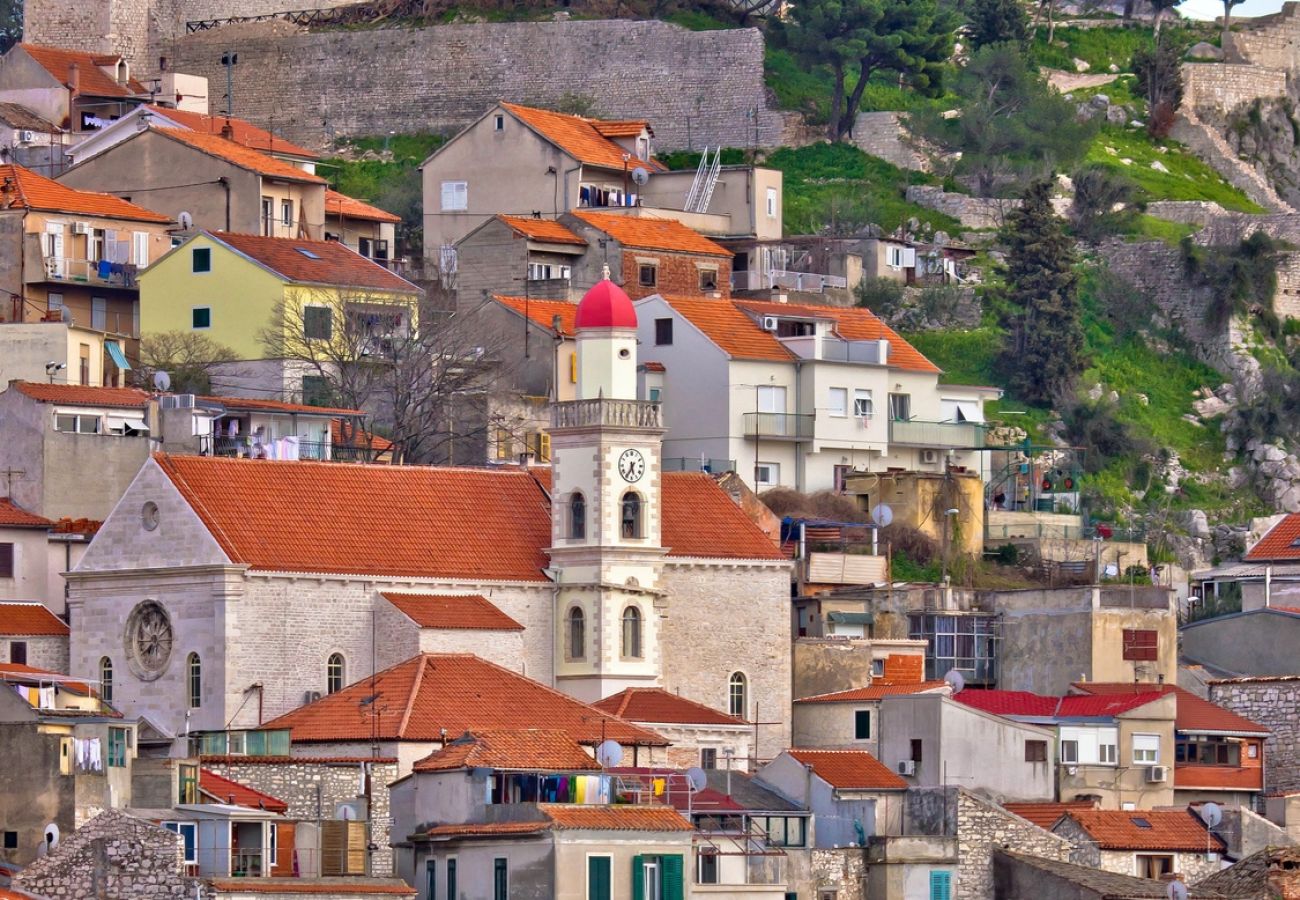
221, 593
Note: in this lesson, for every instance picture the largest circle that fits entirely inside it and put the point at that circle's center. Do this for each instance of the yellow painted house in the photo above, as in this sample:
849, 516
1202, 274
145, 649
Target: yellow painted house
323, 297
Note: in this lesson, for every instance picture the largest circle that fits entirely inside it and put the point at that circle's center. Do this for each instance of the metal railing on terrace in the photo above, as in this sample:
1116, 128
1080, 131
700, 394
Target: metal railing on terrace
245, 447
779, 426
914, 432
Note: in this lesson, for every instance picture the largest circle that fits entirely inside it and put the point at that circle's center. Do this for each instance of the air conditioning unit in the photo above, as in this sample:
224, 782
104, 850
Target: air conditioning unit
310, 696
177, 401
26, 137
907, 767
929, 456
770, 323
81, 228
1157, 774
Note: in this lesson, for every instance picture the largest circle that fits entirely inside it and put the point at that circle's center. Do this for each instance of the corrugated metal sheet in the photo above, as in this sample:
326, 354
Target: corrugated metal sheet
846, 568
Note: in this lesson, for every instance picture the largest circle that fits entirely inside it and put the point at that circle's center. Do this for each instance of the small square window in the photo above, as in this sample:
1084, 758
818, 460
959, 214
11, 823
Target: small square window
708, 758
647, 275
317, 323
201, 317
877, 668
663, 332
201, 259
1035, 751
708, 279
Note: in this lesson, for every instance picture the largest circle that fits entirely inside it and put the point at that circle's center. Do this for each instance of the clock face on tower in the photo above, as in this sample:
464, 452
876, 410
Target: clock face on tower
631, 465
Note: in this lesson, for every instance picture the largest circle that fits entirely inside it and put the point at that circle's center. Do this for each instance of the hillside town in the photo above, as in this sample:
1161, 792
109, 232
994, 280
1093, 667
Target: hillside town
734, 449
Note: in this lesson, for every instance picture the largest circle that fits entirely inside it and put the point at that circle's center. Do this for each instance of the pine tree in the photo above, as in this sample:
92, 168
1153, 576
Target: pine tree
1043, 354
997, 22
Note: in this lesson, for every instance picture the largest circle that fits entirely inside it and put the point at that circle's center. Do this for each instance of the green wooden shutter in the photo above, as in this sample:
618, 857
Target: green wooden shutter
671, 869
940, 886
638, 878
598, 878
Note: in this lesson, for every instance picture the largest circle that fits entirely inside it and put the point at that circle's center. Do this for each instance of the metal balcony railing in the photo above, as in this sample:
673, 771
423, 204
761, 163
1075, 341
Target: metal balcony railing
247, 448
696, 464
779, 426
916, 433
605, 411
88, 271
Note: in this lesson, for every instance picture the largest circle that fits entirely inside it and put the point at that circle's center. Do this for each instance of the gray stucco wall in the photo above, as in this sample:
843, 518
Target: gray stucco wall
1258, 642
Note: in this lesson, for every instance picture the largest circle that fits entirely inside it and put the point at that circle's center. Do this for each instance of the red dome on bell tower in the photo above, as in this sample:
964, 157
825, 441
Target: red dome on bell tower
606, 306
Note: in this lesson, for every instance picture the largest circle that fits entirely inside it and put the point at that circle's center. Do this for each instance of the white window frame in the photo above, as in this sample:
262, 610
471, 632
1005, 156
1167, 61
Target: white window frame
286, 213
895, 257
767, 397
837, 402
772, 477
1148, 739
771, 203
180, 828
1070, 758
455, 196
140, 249
1108, 754
864, 403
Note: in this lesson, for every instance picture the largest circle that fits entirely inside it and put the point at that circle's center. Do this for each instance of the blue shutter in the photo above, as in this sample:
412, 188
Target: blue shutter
598, 878
940, 886
671, 870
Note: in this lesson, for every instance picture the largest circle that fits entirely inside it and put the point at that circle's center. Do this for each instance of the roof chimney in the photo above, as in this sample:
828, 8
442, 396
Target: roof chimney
74, 79
228, 131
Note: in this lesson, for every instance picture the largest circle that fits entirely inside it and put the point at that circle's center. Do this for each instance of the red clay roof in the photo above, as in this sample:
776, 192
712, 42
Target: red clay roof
1169, 829
722, 322
350, 435
853, 323
700, 520
648, 233
614, 818
79, 395
334, 263
659, 707
488, 829
93, 80
418, 698
27, 190
238, 155
1195, 714
32, 619
454, 611
242, 132
533, 749
546, 230
274, 406
337, 204
581, 137
849, 769
236, 794
1281, 542
1071, 706
23, 674
1045, 815
875, 691
1228, 778
14, 516
543, 312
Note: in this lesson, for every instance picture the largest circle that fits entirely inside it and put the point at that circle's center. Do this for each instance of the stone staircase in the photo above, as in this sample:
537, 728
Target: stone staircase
1206, 142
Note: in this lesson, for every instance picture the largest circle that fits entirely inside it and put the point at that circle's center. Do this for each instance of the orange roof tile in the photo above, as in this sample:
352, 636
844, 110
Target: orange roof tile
543, 312
30, 619
488, 829
79, 395
1045, 815
23, 674
243, 132
624, 128
722, 322
1194, 714
1228, 778
579, 137
258, 405
27, 190
349, 435
14, 516
700, 520
853, 323
331, 262
239, 155
232, 792
875, 691
546, 230
849, 769
335, 887
614, 818
418, 698
1281, 542
659, 707
648, 233
1165, 829
453, 611
93, 80
395, 520
531, 749
69, 525
337, 204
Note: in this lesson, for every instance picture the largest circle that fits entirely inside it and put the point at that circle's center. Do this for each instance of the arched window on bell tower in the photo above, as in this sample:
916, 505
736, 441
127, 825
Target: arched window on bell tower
576, 639
632, 633
630, 516
737, 694
577, 516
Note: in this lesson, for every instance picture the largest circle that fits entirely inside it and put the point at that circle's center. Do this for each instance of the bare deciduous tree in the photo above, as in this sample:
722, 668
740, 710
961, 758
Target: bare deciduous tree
189, 358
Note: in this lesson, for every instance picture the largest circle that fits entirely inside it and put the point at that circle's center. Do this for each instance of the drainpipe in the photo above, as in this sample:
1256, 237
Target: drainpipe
225, 183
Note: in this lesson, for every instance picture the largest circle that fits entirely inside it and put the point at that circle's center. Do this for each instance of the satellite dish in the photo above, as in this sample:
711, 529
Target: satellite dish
699, 781
609, 753
162, 381
51, 836
1176, 891
185, 220
1211, 814
640, 175
882, 515
955, 681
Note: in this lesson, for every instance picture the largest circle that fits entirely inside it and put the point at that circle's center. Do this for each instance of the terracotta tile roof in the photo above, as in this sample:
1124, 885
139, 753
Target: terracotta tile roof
93, 80
1282, 541
337, 204
18, 673
78, 395
1071, 706
573, 816
654, 367
546, 230
19, 116
239, 155
700, 520
27, 190
348, 435
659, 707
232, 792
1229, 778
1195, 714
1166, 829
249, 404
453, 611
14, 516
335, 887
1045, 815
69, 525
334, 264
488, 829
579, 137
647, 233
393, 520
875, 691
418, 698
30, 619
294, 760
543, 312
624, 128
852, 323
849, 769
530, 749
242, 132
722, 322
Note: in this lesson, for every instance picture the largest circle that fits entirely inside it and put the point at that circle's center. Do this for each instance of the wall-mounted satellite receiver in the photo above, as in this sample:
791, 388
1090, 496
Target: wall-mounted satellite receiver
609, 754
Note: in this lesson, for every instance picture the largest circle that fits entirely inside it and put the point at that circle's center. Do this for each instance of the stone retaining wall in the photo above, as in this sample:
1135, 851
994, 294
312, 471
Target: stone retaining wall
1275, 704
972, 212
882, 134
1272, 41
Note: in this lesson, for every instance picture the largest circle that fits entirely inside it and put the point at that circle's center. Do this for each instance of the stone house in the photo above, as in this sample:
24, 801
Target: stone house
517, 255
1267, 874
78, 91
699, 735
31, 635
1148, 843
1272, 702
1023, 876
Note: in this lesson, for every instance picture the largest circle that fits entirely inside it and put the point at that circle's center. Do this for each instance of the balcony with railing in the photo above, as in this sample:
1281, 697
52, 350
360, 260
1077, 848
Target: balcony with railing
42, 266
810, 282
779, 426
832, 349
916, 433
606, 411
246, 447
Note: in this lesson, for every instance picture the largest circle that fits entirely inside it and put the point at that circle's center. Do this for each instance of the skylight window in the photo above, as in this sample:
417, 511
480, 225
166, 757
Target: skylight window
307, 253
1140, 823
1296, 542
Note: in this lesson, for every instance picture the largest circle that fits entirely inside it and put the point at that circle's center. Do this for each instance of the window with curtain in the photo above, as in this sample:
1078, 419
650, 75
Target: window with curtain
577, 633
577, 516
737, 695
194, 680
335, 673
632, 633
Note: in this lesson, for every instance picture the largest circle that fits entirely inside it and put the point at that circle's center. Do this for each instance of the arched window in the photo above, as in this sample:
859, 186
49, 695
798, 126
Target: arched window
577, 643
194, 680
737, 695
335, 673
577, 516
106, 680
631, 515
631, 633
